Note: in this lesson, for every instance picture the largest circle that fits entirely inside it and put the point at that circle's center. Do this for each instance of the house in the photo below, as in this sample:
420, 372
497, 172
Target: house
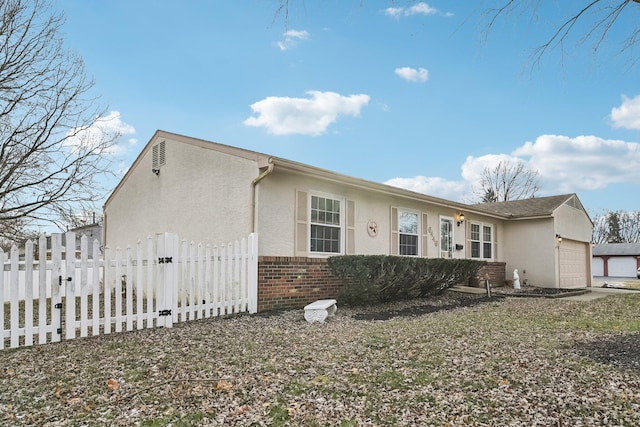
616, 259
209, 192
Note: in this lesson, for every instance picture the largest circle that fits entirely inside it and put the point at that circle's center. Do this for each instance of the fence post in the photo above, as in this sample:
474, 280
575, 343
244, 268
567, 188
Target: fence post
69, 280
44, 289
28, 293
253, 273
56, 281
167, 278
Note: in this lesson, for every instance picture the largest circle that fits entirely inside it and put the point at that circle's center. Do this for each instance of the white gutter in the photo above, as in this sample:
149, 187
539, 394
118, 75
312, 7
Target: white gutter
254, 184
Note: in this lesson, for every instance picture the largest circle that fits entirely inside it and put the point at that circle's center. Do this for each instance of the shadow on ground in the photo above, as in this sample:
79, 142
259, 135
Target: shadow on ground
620, 351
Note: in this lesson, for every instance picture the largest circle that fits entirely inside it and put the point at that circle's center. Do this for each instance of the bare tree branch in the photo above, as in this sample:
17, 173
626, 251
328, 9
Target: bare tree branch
48, 162
507, 181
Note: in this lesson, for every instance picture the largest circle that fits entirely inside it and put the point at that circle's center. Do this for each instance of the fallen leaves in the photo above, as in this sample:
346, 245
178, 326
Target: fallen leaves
113, 384
223, 385
496, 363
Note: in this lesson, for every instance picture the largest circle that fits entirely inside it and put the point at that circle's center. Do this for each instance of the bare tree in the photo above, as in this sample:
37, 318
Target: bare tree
508, 180
50, 161
616, 227
599, 16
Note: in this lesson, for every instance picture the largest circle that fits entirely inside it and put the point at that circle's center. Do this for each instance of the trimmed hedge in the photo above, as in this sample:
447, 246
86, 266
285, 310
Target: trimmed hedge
368, 279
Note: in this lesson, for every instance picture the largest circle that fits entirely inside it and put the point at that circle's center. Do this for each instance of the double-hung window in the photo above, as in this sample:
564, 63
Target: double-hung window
326, 224
408, 233
481, 241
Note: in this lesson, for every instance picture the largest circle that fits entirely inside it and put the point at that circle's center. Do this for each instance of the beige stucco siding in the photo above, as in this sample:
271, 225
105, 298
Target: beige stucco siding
201, 194
276, 213
572, 223
529, 246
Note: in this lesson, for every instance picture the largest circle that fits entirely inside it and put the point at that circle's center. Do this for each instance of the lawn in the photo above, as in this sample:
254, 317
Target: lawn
453, 360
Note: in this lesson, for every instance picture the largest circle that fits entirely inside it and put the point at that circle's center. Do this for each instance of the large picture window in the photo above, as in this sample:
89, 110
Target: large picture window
408, 233
481, 241
326, 225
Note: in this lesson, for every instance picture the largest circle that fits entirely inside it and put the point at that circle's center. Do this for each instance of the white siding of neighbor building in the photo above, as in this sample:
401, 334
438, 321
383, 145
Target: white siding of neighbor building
200, 194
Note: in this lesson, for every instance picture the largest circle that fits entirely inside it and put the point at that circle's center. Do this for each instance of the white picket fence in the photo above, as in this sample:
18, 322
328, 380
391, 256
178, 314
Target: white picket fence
158, 282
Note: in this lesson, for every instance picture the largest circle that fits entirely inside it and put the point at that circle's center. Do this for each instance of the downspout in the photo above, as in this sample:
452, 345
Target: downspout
254, 184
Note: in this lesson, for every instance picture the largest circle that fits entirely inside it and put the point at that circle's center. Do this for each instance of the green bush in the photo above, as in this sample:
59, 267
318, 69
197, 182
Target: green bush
368, 279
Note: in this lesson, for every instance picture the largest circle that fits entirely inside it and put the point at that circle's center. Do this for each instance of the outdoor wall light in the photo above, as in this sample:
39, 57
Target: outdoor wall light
156, 171
460, 219
559, 238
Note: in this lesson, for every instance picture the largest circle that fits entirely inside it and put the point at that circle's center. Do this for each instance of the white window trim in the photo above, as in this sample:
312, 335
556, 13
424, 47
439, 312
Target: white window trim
453, 237
343, 207
482, 241
418, 232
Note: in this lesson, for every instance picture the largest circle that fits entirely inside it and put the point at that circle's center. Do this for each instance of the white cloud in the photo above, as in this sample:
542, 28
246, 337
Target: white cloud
109, 128
420, 75
565, 165
433, 186
306, 116
420, 8
627, 115
291, 38
581, 163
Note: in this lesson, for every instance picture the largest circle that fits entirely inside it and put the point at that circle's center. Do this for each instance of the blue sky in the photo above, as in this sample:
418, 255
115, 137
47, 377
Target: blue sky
414, 94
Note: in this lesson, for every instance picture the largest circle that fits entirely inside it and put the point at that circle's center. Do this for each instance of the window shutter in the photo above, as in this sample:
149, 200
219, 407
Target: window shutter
351, 228
467, 239
425, 236
395, 243
302, 227
494, 249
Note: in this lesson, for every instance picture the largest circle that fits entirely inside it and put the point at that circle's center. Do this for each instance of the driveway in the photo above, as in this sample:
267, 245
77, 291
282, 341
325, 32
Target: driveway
598, 291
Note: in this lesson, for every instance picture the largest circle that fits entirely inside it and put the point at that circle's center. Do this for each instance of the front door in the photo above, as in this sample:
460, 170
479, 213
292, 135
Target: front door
446, 237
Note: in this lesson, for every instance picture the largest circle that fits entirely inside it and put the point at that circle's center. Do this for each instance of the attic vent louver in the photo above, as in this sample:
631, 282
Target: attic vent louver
158, 156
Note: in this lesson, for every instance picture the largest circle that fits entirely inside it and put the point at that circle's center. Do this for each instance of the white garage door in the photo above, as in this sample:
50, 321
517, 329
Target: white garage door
623, 266
597, 266
573, 264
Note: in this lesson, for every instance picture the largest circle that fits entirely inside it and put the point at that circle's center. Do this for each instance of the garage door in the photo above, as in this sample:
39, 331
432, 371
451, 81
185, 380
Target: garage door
573, 264
597, 266
622, 266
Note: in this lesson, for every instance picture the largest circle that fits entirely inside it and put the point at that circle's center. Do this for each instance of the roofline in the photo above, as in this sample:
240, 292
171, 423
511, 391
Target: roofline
263, 160
210, 145
378, 187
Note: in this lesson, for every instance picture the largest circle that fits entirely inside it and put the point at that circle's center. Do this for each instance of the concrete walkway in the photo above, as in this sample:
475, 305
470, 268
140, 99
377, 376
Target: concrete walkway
599, 293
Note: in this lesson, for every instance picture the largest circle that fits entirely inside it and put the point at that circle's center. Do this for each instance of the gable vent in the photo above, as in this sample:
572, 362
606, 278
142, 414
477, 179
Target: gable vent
159, 157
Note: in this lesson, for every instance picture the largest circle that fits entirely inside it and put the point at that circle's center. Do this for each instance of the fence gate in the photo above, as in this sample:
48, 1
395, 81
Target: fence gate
53, 289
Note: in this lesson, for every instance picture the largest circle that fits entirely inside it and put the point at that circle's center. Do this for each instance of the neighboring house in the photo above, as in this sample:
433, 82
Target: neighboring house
616, 259
209, 192
92, 231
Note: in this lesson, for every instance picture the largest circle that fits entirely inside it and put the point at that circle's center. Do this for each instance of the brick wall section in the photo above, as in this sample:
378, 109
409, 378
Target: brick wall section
496, 272
293, 282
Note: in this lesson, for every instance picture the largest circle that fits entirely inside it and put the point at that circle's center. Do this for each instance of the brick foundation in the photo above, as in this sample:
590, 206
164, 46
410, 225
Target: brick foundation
495, 271
293, 282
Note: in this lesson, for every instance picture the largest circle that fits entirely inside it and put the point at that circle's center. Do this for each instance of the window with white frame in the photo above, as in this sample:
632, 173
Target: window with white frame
481, 241
326, 225
408, 233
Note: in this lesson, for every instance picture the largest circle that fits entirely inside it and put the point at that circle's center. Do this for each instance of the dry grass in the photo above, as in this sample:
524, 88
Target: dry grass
512, 361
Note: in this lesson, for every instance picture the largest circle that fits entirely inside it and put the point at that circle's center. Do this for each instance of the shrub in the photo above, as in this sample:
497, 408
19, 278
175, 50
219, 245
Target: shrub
369, 279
